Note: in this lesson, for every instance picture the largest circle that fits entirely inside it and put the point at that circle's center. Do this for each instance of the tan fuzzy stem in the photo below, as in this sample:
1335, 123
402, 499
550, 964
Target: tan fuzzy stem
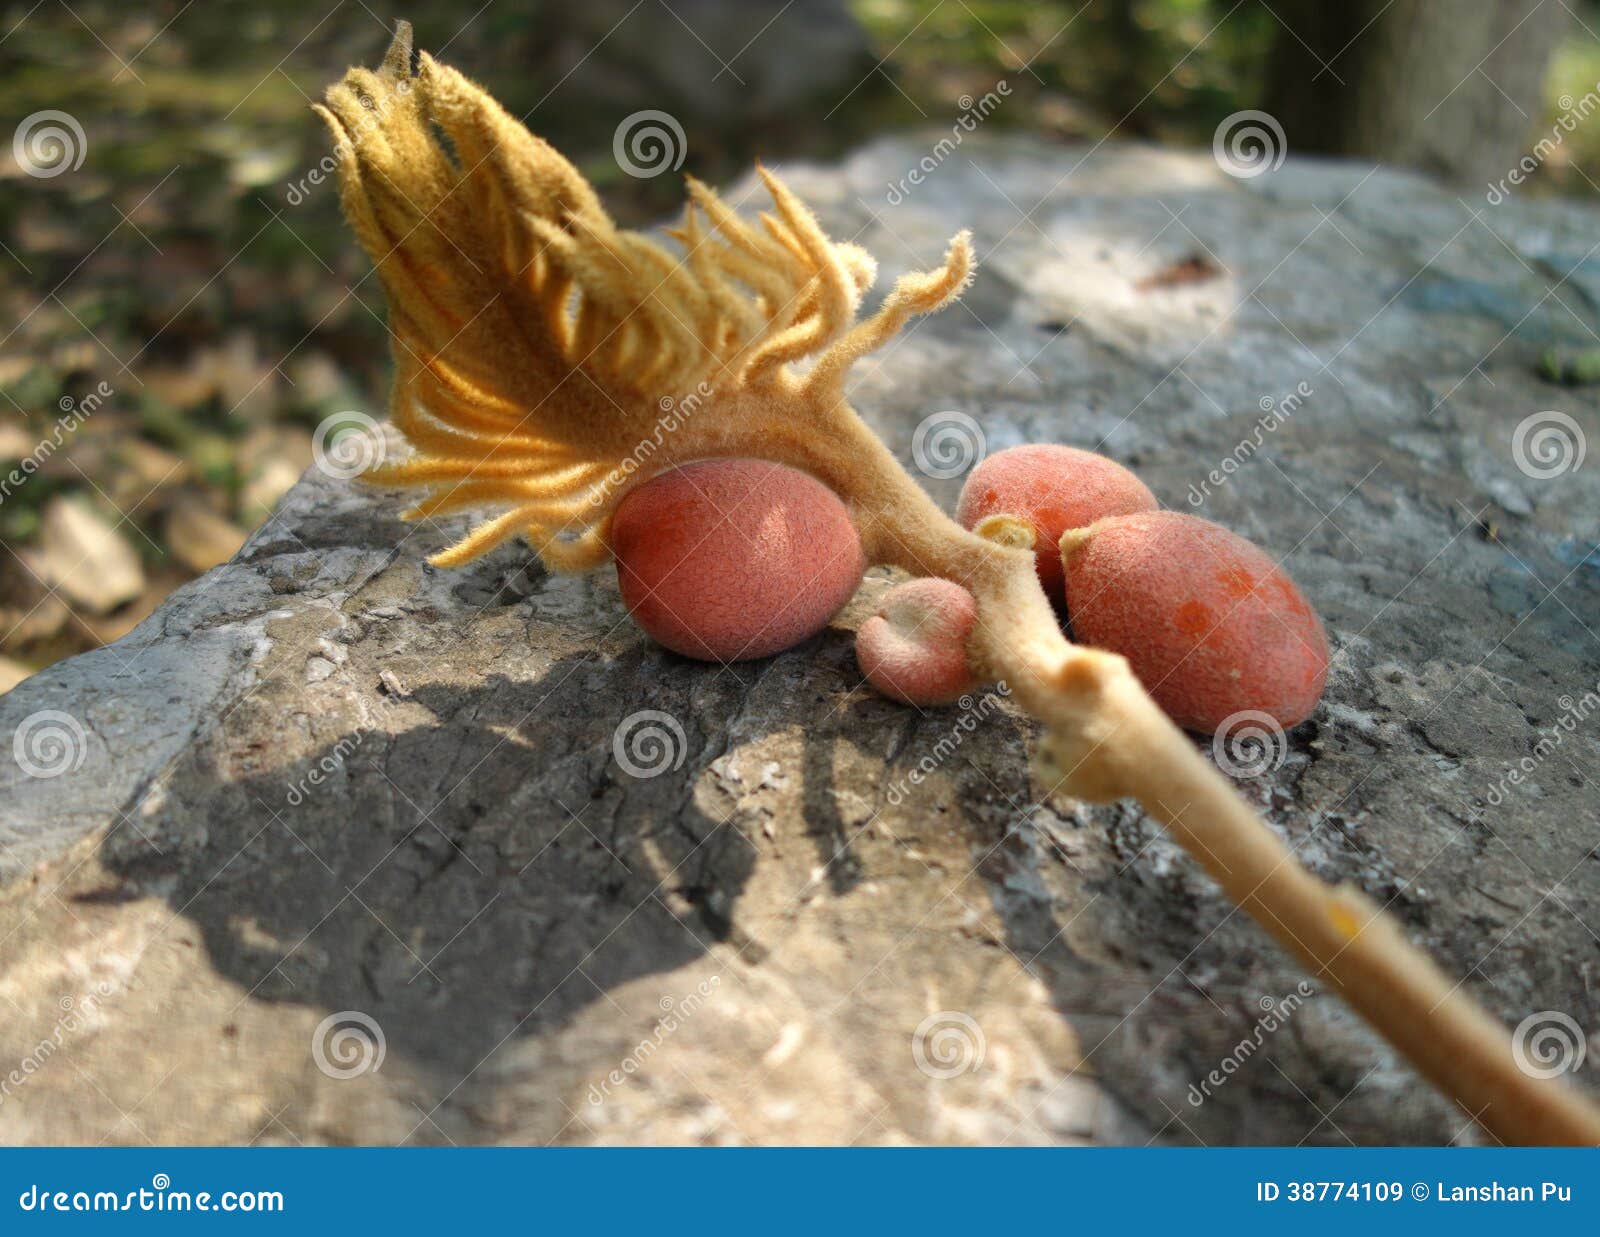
1341, 937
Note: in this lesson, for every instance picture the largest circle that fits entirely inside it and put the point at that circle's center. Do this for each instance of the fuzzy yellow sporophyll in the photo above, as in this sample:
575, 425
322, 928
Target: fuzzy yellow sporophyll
533, 342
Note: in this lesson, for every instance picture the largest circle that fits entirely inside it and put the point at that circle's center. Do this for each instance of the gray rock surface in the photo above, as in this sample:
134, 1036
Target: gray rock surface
329, 799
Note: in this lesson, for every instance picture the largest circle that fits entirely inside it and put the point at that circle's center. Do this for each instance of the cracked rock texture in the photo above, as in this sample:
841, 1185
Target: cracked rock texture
345, 849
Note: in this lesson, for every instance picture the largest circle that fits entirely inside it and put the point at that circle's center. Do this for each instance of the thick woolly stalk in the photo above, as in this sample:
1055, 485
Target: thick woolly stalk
545, 391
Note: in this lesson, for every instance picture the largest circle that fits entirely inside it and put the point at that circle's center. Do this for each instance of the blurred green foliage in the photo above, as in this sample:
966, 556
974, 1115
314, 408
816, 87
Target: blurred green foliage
1158, 69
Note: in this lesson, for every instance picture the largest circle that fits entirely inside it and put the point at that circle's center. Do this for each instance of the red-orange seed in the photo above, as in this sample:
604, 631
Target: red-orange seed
1054, 488
914, 649
730, 559
1209, 623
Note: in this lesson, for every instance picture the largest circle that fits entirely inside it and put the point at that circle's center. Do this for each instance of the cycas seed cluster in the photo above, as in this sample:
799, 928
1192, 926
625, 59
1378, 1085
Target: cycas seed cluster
536, 345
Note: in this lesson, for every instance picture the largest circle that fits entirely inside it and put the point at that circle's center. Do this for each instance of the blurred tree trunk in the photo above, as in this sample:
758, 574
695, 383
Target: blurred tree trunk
1450, 86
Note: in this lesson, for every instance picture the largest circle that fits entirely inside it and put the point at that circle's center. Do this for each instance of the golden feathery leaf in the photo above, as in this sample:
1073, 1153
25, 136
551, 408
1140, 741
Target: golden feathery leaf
537, 344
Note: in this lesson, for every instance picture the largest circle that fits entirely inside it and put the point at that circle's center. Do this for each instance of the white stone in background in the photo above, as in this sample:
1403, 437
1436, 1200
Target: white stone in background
15, 442
274, 457
86, 558
198, 536
11, 673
